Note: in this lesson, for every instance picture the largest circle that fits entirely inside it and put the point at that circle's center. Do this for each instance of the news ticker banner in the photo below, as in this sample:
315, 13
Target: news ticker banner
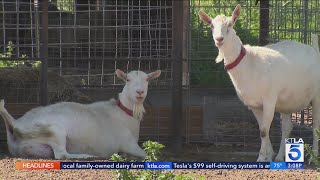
294, 156
91, 165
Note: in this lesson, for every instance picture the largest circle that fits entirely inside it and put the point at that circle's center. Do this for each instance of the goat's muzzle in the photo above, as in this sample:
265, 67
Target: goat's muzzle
140, 98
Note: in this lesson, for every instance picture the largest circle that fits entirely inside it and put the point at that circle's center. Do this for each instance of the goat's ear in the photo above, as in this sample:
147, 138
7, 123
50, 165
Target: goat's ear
205, 18
236, 14
154, 75
121, 74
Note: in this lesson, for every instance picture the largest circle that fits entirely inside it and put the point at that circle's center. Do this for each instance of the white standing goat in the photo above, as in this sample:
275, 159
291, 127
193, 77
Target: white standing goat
73, 130
283, 77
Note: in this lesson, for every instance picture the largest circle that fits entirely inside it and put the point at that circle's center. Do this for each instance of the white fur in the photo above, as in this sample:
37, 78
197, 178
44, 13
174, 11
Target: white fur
138, 111
282, 77
73, 130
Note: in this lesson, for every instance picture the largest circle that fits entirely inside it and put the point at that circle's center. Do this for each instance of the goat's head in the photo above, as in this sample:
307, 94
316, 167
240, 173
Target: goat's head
136, 87
221, 26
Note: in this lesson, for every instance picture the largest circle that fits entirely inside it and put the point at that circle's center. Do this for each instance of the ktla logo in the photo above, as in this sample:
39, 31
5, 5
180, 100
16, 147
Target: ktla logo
294, 150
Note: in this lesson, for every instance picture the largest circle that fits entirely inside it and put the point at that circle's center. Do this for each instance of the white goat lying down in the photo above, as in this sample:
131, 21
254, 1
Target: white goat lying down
73, 130
283, 77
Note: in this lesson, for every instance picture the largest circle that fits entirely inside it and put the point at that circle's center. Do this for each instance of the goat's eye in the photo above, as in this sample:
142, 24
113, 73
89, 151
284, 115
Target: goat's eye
128, 80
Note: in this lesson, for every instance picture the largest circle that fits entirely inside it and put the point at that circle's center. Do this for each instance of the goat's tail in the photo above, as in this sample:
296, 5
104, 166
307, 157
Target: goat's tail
315, 42
9, 122
8, 119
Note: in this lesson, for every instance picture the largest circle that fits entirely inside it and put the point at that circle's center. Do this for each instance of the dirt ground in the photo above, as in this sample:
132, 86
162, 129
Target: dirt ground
8, 171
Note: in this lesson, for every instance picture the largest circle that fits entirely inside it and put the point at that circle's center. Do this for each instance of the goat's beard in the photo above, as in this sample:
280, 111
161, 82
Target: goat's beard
219, 57
138, 111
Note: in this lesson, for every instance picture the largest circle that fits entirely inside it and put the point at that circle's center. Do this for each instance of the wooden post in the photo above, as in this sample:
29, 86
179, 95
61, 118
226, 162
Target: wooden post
264, 22
44, 54
185, 64
177, 54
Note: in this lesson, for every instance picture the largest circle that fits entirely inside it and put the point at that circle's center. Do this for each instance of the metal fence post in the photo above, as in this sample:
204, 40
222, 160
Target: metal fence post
44, 54
305, 33
305, 39
177, 50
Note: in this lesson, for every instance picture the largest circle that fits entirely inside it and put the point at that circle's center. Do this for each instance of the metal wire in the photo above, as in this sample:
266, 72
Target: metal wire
89, 40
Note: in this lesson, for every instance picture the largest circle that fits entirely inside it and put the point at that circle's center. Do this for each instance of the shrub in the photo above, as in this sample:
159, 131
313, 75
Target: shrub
314, 158
14, 63
153, 151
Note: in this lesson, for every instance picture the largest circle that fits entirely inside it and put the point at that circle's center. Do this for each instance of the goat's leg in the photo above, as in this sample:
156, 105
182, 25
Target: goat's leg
316, 123
258, 113
60, 152
134, 149
286, 127
131, 147
265, 118
58, 145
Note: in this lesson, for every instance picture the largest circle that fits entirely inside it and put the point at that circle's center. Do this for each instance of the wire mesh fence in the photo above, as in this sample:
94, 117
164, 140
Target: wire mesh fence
225, 120
89, 39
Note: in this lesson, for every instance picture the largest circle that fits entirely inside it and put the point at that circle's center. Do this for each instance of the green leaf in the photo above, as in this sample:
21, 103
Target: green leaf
314, 158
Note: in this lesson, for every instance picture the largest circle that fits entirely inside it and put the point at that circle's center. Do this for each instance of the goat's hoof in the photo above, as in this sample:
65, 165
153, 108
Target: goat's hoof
310, 160
91, 157
144, 155
279, 158
264, 159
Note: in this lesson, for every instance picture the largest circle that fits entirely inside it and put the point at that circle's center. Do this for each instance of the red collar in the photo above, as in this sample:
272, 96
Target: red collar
126, 110
237, 61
